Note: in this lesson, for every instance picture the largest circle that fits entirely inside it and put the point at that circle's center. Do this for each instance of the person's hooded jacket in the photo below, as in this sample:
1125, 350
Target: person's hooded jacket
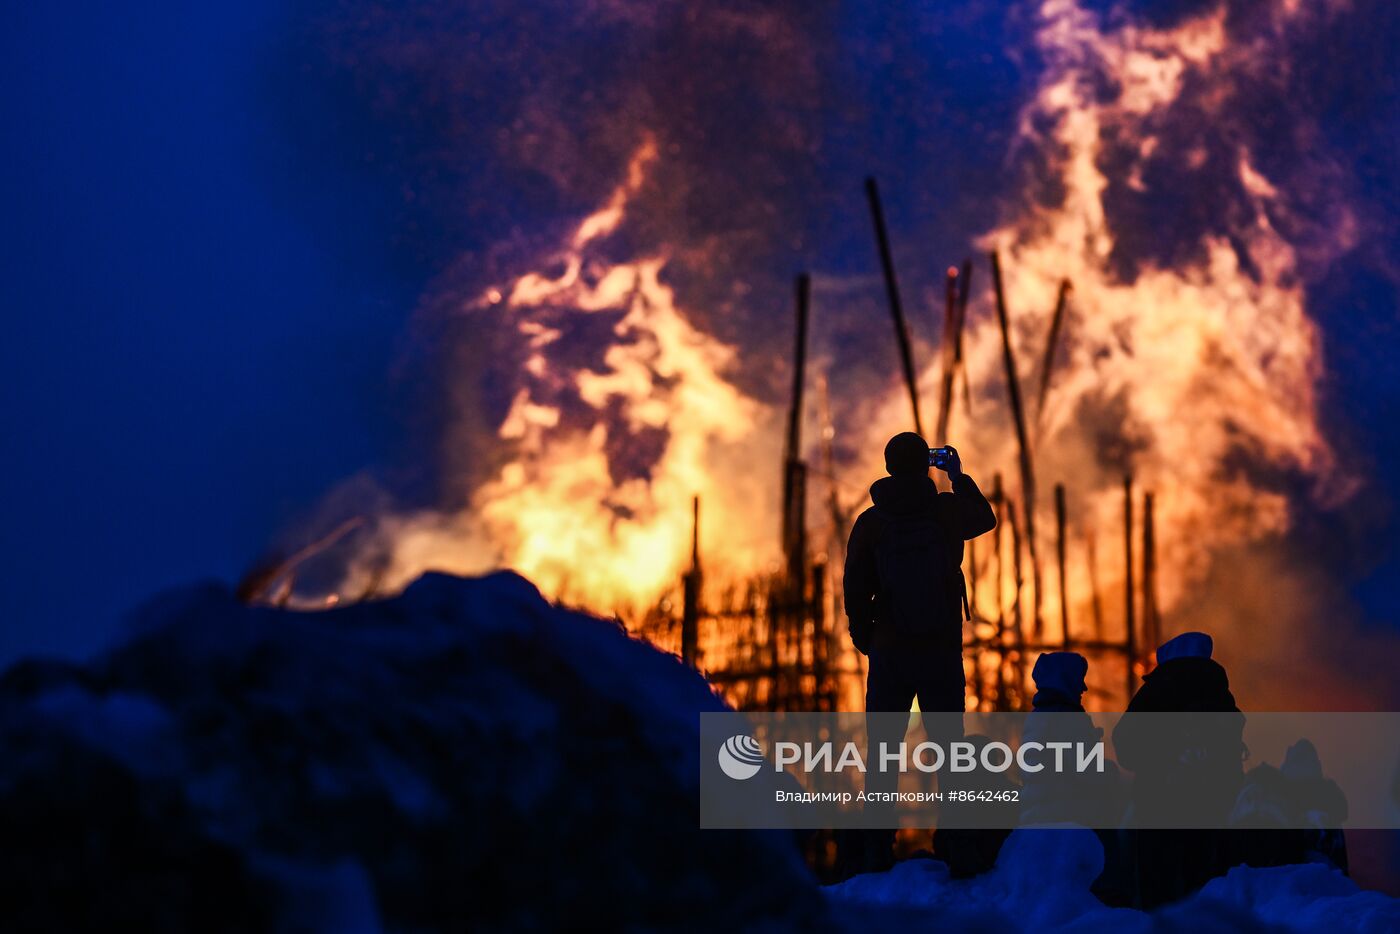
962, 514
1194, 764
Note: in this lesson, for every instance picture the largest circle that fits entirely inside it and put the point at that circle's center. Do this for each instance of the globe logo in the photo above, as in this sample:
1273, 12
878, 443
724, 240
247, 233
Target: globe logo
740, 757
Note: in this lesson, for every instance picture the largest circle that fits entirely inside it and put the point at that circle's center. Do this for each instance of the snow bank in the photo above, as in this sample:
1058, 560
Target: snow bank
1311, 897
464, 755
1041, 884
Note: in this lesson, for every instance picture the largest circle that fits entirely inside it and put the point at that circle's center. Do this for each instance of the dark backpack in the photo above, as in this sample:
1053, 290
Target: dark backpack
921, 589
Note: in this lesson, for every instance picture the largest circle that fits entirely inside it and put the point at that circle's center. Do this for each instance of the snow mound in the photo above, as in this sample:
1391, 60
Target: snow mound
1041, 884
462, 756
1309, 897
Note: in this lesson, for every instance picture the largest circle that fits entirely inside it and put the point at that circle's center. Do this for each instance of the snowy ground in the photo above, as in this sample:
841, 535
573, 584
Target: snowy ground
462, 757
1041, 884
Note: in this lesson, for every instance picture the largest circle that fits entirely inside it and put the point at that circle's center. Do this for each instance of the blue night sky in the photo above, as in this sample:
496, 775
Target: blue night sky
200, 327
219, 220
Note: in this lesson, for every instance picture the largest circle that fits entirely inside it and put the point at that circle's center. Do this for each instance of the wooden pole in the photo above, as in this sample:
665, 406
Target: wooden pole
1096, 602
964, 295
794, 470
803, 293
901, 331
1047, 365
998, 585
949, 355
837, 551
776, 611
1129, 591
1060, 562
258, 583
1151, 622
1013, 384
690, 616
695, 532
1016, 617
821, 689
799, 539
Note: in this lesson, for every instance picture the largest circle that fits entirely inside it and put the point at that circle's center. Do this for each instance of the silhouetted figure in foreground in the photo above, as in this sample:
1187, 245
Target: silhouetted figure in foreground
1182, 774
1093, 799
905, 593
1186, 680
904, 587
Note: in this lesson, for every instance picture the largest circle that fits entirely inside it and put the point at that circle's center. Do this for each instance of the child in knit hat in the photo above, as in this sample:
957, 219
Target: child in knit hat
1058, 716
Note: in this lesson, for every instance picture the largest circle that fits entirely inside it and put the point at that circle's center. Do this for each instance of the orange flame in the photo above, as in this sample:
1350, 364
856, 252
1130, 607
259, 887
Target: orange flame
1186, 372
556, 512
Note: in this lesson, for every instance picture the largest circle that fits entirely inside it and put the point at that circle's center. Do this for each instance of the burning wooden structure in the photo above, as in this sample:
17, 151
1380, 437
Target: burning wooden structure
778, 641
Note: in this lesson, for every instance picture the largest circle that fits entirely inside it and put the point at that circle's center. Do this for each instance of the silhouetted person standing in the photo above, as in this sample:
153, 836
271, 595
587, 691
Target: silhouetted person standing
1185, 770
906, 598
905, 593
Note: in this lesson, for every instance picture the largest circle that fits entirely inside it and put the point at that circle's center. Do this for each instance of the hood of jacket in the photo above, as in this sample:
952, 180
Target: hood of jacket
904, 494
1194, 684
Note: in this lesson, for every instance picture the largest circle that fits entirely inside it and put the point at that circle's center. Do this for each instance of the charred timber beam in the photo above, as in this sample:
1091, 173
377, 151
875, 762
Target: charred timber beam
1052, 341
794, 532
948, 353
1060, 563
1129, 588
1013, 385
901, 330
690, 613
1151, 621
